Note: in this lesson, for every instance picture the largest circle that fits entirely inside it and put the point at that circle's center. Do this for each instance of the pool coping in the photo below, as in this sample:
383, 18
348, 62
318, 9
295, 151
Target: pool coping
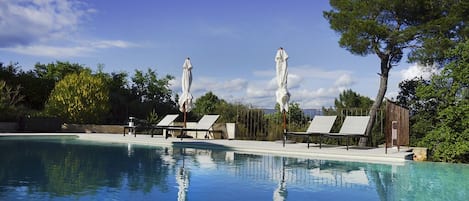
354, 154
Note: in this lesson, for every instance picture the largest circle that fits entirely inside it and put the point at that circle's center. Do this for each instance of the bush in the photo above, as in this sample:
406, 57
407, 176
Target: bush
79, 98
9, 98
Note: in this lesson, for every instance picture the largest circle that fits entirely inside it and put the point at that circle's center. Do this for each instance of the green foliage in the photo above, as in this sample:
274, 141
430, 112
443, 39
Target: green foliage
350, 103
152, 117
424, 28
151, 89
207, 104
119, 96
251, 124
57, 71
296, 120
228, 111
9, 98
350, 99
423, 115
68, 171
148, 92
449, 140
34, 89
79, 98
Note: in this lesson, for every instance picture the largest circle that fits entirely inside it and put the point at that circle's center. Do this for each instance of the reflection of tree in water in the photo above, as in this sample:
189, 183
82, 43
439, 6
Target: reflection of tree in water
73, 169
64, 170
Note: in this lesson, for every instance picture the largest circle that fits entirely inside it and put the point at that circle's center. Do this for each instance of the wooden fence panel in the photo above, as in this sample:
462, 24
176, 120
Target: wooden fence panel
400, 114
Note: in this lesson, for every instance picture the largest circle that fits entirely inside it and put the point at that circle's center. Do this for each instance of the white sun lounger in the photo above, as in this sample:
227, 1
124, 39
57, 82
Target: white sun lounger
353, 126
205, 124
319, 124
167, 121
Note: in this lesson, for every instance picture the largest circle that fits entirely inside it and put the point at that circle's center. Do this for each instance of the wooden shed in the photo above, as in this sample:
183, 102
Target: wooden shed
396, 125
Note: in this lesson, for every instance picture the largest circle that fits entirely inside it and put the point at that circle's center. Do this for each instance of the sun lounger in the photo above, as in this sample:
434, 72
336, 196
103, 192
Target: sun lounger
165, 122
320, 124
353, 126
205, 124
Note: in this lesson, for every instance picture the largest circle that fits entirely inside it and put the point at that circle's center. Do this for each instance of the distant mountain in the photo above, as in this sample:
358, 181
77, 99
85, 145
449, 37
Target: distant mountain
269, 111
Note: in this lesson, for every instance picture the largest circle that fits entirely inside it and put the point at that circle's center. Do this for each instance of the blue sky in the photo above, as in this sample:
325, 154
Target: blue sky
231, 43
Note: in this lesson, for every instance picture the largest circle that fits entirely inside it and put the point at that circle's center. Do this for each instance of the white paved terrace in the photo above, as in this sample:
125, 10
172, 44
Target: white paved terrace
329, 152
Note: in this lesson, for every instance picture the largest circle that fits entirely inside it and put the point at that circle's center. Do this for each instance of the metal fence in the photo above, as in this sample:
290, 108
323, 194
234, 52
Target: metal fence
261, 124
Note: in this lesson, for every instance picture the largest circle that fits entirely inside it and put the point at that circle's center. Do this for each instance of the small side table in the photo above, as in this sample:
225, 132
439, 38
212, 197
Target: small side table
131, 129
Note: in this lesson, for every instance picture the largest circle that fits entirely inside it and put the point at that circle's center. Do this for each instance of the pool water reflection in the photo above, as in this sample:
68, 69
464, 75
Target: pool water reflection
70, 169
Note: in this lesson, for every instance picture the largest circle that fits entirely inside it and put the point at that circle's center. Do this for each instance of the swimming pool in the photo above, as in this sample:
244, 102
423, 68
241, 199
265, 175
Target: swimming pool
71, 169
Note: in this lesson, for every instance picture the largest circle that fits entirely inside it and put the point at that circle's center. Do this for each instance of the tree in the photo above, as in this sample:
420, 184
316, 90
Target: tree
449, 139
9, 98
57, 71
352, 103
207, 104
149, 92
119, 97
349, 99
151, 89
423, 113
296, 117
386, 28
79, 98
34, 89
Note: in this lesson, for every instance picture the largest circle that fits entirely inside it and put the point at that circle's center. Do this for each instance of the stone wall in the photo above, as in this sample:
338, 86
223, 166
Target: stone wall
420, 154
117, 129
8, 127
92, 128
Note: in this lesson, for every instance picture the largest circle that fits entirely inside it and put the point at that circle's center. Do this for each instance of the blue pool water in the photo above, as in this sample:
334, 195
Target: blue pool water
70, 169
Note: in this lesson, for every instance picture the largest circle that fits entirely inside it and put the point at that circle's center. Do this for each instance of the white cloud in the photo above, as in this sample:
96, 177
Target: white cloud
344, 80
226, 89
256, 92
74, 50
264, 73
235, 84
112, 43
48, 28
416, 70
49, 51
294, 81
206, 84
308, 71
311, 88
25, 22
175, 85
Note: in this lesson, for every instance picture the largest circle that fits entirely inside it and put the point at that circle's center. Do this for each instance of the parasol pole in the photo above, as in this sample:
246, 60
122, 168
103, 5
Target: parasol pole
184, 111
284, 121
185, 119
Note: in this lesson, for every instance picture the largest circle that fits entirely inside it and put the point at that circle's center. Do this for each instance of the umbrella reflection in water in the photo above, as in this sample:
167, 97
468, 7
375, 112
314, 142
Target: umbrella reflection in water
182, 179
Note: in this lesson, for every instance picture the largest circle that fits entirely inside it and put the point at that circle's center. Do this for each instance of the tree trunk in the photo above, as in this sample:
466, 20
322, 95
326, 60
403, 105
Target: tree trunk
383, 85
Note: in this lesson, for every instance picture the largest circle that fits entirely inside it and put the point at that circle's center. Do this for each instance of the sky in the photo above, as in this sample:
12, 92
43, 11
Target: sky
231, 43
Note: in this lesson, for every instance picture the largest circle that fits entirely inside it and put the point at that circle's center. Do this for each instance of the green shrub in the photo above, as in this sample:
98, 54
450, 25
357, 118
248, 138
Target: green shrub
79, 98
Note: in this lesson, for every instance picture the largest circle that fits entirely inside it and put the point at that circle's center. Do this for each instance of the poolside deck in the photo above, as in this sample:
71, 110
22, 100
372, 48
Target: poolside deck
358, 154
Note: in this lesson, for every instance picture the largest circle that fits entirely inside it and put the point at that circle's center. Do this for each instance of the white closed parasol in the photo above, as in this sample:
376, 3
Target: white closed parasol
283, 96
185, 101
